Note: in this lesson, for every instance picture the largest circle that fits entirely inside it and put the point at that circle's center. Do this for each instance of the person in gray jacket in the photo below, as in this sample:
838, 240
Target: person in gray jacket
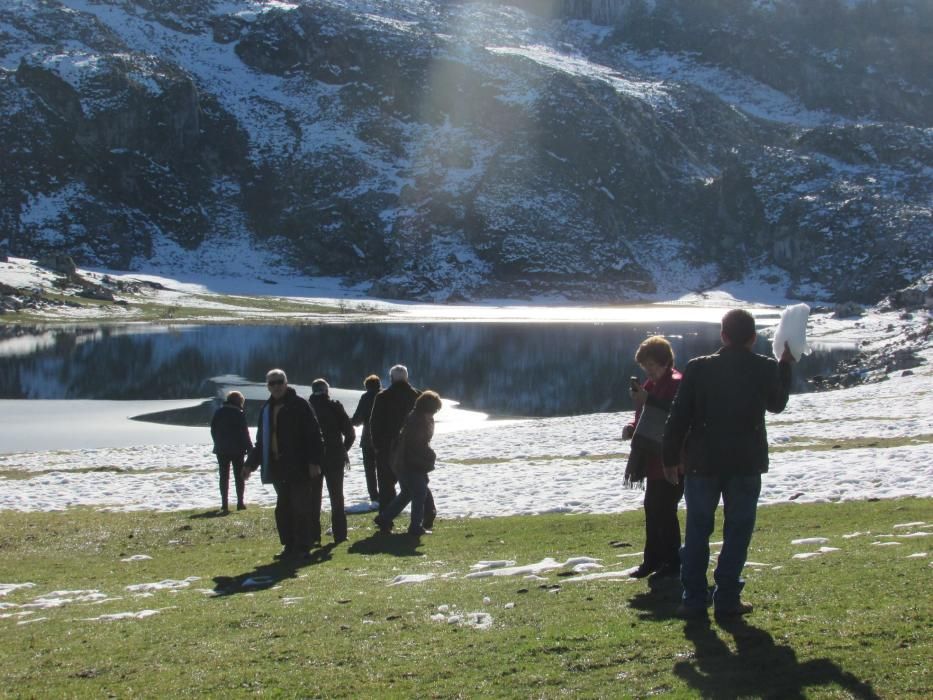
715, 435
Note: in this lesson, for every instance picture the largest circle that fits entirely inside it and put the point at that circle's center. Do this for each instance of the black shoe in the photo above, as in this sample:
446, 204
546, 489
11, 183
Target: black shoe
428, 522
241, 506
417, 531
384, 527
667, 571
690, 612
642, 571
296, 555
286, 553
736, 610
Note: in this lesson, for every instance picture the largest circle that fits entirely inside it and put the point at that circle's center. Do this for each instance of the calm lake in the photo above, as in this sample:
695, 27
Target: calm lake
502, 369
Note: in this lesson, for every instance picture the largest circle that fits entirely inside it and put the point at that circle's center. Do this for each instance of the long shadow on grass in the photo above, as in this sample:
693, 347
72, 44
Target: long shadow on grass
660, 601
209, 514
267, 575
758, 668
401, 545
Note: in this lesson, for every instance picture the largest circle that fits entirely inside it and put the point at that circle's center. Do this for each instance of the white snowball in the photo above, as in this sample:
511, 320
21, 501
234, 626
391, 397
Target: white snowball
792, 329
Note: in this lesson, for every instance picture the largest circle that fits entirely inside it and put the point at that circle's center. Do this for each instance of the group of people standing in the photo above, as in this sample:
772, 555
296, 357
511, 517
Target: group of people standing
709, 443
699, 434
301, 445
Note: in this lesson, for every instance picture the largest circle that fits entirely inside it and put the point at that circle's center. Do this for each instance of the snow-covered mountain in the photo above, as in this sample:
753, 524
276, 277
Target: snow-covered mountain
445, 149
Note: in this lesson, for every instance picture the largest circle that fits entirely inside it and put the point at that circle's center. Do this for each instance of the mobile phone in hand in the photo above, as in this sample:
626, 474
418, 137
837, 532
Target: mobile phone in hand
634, 384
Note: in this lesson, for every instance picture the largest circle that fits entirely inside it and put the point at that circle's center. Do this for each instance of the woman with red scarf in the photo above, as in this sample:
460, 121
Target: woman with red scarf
662, 527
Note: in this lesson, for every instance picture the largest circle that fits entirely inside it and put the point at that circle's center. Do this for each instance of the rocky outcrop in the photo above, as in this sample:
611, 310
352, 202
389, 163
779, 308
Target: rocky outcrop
436, 151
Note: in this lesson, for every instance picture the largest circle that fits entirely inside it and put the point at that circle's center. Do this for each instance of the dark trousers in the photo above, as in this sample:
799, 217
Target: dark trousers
293, 514
413, 489
338, 516
385, 478
224, 462
369, 468
662, 527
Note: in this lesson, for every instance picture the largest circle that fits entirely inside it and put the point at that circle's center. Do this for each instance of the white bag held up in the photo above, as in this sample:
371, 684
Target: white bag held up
792, 329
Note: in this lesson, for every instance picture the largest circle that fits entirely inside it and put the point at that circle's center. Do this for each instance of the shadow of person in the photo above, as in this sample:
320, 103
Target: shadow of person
400, 545
209, 514
267, 575
758, 668
659, 602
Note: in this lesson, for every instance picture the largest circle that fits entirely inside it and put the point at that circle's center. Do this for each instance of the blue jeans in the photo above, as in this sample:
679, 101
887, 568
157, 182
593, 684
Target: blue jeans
413, 487
740, 502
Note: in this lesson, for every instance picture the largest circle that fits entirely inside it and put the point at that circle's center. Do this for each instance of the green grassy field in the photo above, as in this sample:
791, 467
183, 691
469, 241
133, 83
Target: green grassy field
849, 623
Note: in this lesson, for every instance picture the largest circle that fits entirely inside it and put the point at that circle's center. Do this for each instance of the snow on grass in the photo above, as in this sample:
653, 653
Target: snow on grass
546, 564
410, 578
6, 588
820, 551
166, 585
139, 615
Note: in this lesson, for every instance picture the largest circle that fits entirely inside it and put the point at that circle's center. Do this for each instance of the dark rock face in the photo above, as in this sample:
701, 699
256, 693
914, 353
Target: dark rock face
459, 150
832, 55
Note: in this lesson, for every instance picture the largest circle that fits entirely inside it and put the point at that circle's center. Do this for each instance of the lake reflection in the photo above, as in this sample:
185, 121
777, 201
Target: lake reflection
503, 369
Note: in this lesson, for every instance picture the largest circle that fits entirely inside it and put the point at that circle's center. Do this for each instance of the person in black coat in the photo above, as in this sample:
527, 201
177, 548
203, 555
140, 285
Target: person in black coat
716, 428
390, 408
289, 449
231, 444
338, 436
361, 416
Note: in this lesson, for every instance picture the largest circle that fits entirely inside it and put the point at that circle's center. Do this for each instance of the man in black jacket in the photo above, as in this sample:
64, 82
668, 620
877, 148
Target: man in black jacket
390, 408
289, 448
361, 416
715, 434
338, 435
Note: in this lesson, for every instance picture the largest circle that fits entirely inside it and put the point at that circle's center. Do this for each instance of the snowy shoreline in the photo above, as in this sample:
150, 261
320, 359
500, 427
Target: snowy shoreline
870, 441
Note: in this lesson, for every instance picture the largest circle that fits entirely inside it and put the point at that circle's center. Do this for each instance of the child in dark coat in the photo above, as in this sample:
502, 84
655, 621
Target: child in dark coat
231, 443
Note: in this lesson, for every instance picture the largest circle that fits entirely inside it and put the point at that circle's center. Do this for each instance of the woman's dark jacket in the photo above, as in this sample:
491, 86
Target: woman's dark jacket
718, 415
299, 440
413, 453
361, 416
660, 395
230, 432
390, 408
336, 429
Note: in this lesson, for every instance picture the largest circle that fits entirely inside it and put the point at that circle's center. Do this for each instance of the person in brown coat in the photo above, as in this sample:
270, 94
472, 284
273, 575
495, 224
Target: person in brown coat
412, 461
